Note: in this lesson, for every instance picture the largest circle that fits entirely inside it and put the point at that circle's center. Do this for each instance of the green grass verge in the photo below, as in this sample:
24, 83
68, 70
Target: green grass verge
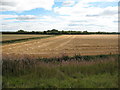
104, 80
93, 73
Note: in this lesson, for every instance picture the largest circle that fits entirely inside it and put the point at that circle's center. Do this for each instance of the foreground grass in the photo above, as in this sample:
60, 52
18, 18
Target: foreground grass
105, 80
93, 72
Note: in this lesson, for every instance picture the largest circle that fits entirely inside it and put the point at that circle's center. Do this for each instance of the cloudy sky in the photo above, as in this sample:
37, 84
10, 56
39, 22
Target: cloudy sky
40, 15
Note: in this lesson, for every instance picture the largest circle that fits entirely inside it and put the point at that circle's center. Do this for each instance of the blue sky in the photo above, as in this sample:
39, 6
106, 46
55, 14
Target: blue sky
78, 15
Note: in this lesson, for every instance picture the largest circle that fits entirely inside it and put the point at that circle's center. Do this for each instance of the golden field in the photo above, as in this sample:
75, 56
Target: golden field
64, 45
18, 36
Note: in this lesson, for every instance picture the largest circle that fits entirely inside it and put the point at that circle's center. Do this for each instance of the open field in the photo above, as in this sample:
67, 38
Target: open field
65, 61
64, 45
6, 37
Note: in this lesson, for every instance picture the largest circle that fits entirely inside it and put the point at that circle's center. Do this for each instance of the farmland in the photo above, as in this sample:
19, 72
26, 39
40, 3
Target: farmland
63, 61
6, 37
69, 45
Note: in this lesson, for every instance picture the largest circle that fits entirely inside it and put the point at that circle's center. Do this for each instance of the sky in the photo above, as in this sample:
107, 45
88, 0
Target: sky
74, 15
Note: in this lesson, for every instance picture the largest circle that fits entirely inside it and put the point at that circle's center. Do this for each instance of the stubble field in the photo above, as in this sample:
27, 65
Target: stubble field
63, 45
6, 37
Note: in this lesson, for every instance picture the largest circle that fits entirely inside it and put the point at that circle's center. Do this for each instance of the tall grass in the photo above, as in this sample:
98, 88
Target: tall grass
66, 72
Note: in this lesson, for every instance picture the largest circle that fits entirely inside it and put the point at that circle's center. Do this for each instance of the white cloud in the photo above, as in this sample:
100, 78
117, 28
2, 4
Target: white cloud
89, 0
110, 11
7, 16
96, 18
81, 16
68, 3
26, 17
23, 5
40, 24
17, 17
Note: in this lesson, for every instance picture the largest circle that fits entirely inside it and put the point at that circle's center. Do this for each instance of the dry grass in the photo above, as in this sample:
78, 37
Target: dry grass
90, 72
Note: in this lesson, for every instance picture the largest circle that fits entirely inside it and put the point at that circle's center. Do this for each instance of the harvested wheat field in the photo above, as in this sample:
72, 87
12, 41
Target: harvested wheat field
6, 37
64, 45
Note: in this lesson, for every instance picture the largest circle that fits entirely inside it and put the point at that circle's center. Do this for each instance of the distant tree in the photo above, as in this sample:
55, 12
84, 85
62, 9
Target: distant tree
44, 32
54, 30
85, 32
20, 31
33, 31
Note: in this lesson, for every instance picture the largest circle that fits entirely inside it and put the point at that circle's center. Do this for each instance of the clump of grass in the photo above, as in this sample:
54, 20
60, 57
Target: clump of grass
65, 72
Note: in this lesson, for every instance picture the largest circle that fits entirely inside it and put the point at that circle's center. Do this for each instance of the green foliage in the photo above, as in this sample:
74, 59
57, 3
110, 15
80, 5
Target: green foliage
21, 31
104, 80
57, 32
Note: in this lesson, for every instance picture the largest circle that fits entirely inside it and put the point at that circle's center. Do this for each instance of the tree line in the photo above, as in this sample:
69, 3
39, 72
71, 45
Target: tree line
57, 32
